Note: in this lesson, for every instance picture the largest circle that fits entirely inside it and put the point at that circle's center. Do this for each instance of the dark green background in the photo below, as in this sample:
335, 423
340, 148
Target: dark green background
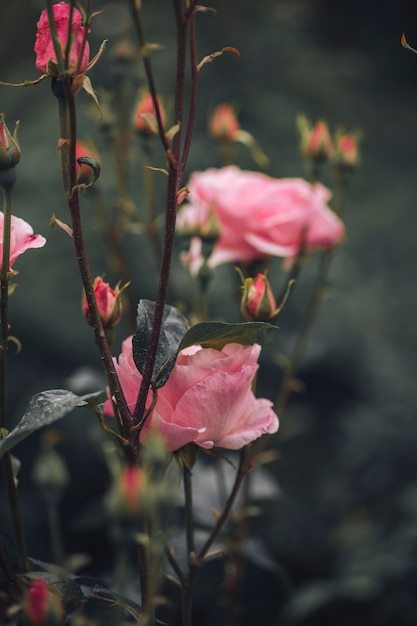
344, 531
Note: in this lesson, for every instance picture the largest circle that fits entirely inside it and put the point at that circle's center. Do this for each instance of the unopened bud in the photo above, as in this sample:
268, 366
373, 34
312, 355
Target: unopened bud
145, 120
258, 302
9, 146
109, 303
124, 500
347, 150
42, 606
316, 141
224, 125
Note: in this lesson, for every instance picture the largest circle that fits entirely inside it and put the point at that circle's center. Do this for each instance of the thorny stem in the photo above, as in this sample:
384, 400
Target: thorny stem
314, 302
173, 159
7, 182
196, 558
63, 90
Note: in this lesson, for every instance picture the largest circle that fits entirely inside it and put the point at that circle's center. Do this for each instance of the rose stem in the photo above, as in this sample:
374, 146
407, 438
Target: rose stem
7, 181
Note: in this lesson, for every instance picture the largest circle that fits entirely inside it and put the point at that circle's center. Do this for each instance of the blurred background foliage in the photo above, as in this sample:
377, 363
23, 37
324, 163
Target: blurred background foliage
339, 534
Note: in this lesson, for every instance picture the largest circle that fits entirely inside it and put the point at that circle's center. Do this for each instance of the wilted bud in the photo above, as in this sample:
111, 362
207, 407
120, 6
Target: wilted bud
85, 173
9, 146
316, 141
145, 121
42, 606
258, 302
224, 125
347, 150
109, 303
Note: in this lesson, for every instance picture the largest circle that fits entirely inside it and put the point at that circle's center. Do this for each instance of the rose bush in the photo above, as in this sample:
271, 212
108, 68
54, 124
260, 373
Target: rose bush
21, 238
207, 400
44, 46
259, 216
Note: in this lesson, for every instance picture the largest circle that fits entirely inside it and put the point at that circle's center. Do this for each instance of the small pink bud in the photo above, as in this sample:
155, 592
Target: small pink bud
145, 121
347, 150
125, 498
130, 485
258, 302
79, 52
9, 146
108, 302
224, 125
316, 141
42, 606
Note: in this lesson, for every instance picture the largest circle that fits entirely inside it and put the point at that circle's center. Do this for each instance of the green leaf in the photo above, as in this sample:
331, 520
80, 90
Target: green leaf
217, 334
174, 326
44, 409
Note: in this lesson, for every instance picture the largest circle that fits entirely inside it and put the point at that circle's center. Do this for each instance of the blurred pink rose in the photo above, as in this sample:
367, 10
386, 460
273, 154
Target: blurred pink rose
21, 238
44, 47
207, 400
259, 216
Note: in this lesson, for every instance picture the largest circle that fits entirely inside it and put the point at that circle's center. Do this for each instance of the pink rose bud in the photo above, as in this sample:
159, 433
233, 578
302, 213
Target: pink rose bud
347, 150
258, 302
316, 141
125, 498
9, 146
224, 125
109, 303
145, 121
79, 52
42, 607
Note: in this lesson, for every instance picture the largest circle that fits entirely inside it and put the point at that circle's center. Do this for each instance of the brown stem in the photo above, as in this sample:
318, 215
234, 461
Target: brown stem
63, 90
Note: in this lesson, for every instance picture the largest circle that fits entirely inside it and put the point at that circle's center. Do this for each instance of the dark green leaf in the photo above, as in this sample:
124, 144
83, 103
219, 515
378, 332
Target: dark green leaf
44, 409
174, 326
67, 587
217, 334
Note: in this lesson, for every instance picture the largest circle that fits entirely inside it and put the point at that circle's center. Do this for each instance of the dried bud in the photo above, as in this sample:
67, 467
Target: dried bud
258, 302
224, 125
316, 141
145, 121
9, 146
85, 173
347, 149
109, 303
42, 606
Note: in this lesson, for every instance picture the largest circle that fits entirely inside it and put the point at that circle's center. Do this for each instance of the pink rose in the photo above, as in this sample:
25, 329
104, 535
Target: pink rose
108, 301
207, 400
21, 238
259, 216
44, 46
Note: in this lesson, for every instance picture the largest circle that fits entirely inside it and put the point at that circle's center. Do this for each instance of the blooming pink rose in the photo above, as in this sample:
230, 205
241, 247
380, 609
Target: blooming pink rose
259, 216
208, 399
21, 238
44, 46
